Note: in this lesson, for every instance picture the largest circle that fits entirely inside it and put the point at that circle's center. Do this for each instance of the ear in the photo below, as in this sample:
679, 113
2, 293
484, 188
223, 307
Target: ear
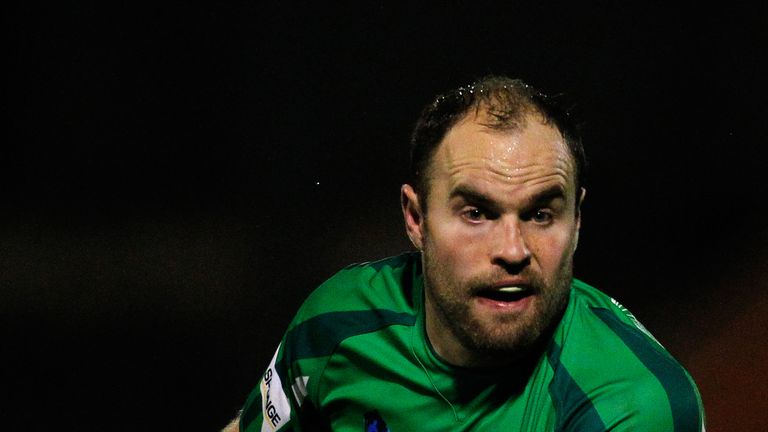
414, 217
582, 194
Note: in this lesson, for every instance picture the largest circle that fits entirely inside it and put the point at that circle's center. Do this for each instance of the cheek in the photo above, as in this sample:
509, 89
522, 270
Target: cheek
455, 245
462, 239
552, 248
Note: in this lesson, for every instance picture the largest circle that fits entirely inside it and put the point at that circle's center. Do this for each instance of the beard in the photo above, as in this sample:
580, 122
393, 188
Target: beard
502, 337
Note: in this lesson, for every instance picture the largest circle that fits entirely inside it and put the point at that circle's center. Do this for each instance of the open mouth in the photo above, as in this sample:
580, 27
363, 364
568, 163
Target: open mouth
505, 294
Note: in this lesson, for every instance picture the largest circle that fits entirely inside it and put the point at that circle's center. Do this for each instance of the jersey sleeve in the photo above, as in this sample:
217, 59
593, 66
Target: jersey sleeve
281, 401
649, 414
616, 376
665, 398
274, 404
639, 408
290, 393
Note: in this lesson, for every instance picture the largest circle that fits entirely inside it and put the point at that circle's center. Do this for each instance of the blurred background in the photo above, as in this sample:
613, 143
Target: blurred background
177, 177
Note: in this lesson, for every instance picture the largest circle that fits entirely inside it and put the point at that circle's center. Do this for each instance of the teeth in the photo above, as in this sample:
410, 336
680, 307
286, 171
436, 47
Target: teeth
511, 289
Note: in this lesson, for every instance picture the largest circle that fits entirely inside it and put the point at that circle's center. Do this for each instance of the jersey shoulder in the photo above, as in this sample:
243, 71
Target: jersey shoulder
386, 284
360, 299
624, 375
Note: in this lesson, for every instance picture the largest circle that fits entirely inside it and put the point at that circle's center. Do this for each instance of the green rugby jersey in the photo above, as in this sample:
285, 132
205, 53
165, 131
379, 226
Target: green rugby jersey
356, 358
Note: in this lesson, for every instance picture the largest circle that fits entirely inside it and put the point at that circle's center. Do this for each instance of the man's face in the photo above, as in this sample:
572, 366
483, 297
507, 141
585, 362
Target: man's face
497, 237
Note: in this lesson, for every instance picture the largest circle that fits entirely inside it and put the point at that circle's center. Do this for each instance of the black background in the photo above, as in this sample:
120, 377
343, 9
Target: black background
177, 177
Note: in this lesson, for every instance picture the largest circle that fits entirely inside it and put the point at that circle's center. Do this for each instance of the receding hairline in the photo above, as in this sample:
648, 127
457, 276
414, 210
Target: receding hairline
493, 108
519, 125
500, 103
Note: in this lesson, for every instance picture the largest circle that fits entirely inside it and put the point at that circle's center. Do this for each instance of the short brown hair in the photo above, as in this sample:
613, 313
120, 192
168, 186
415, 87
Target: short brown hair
507, 102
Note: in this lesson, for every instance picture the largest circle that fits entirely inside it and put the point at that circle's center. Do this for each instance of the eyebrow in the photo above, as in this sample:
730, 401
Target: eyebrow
472, 195
548, 195
476, 197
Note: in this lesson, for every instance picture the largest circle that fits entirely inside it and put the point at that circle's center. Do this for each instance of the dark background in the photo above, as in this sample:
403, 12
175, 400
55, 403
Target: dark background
176, 178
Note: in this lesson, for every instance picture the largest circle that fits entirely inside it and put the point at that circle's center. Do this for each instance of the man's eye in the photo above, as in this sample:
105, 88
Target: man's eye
541, 217
474, 214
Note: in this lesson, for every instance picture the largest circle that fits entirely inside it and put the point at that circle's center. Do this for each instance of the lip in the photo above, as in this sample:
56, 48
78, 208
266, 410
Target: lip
505, 306
507, 300
510, 283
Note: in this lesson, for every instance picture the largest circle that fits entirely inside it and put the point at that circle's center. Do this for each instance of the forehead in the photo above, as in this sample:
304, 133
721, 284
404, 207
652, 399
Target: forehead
532, 153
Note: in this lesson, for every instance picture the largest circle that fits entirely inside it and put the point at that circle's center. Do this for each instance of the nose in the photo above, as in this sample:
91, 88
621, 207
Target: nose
509, 247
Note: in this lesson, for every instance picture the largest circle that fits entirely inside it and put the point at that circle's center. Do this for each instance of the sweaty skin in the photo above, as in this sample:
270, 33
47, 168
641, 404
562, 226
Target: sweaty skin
497, 239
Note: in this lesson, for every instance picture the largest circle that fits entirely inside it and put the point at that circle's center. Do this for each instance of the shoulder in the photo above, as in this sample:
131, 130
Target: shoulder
624, 375
359, 299
384, 284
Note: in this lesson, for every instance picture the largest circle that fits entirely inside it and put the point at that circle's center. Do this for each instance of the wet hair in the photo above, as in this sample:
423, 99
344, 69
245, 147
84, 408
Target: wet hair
507, 103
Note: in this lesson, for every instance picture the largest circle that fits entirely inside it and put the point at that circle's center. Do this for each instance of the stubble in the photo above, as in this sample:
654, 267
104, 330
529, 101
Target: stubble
503, 337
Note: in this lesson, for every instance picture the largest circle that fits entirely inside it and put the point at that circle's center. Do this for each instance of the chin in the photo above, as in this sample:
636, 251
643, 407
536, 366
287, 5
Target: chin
503, 339
512, 336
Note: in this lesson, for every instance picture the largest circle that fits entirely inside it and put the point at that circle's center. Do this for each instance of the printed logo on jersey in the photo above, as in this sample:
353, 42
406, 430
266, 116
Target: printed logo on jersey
374, 422
274, 403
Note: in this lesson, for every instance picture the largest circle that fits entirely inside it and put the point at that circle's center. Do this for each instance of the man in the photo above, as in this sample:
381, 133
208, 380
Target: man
484, 328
